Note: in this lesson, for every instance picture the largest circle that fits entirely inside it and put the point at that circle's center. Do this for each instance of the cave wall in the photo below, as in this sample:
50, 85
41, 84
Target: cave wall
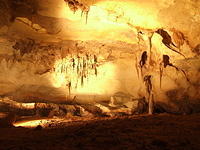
43, 73
107, 20
38, 39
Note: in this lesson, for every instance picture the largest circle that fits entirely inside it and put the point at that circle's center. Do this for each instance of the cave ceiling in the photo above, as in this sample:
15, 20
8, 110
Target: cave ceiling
50, 20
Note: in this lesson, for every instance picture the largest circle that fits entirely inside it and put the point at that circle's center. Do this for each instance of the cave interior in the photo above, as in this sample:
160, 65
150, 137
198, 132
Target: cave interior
70, 63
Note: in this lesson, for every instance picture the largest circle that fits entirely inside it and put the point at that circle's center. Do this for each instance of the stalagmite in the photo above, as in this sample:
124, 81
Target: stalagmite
149, 89
137, 66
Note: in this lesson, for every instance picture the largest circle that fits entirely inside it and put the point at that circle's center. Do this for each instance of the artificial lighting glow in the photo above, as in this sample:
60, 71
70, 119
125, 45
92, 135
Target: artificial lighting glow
27, 105
97, 15
94, 78
31, 124
99, 84
110, 20
115, 12
131, 12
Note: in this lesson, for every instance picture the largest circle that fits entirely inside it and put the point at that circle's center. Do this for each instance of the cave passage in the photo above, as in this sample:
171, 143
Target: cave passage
87, 66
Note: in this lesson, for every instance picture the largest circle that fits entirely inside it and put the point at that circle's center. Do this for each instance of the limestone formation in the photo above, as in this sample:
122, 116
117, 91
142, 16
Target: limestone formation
90, 52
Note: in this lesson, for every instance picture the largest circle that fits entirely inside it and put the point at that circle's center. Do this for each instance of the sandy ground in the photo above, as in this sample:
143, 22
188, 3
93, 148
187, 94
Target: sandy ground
156, 132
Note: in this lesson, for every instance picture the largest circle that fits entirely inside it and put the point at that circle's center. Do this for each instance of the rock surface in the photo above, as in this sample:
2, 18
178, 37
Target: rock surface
49, 54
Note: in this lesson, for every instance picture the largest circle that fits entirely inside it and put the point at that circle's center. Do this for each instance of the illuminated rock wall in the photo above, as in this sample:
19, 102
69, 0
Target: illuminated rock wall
93, 71
52, 54
46, 70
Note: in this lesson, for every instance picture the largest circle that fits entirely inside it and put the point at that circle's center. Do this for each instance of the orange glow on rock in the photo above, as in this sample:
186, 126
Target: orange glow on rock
31, 123
93, 79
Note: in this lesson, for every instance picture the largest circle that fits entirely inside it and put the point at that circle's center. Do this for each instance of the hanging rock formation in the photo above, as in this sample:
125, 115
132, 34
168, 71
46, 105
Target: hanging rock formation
49, 53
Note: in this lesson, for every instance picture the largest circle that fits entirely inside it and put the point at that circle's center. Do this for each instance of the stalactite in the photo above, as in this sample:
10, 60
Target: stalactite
136, 66
86, 17
150, 42
66, 70
87, 56
81, 66
82, 80
95, 71
73, 63
161, 74
69, 86
166, 63
167, 40
78, 64
72, 5
143, 61
139, 33
179, 38
62, 68
84, 63
82, 13
87, 13
150, 47
95, 59
77, 69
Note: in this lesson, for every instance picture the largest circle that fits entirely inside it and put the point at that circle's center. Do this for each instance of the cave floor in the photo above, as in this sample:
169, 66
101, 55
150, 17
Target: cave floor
143, 132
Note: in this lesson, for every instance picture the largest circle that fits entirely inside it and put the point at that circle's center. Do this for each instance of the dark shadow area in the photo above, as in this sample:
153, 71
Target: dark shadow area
143, 132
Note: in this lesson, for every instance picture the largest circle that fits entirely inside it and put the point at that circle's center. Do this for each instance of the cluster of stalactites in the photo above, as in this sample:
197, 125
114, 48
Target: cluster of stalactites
77, 69
75, 5
146, 63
